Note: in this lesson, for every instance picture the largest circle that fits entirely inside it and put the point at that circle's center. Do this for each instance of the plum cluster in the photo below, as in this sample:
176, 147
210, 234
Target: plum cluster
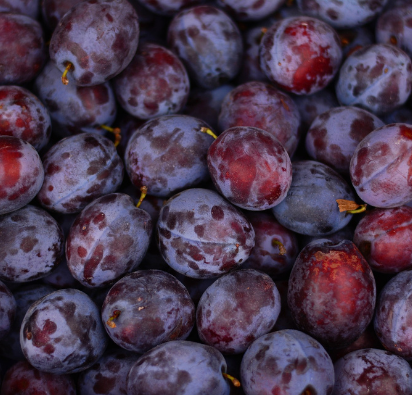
205, 197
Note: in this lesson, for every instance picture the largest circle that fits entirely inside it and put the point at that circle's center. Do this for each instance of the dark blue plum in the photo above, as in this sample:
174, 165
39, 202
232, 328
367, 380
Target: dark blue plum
32, 244
286, 362
310, 206
236, 309
147, 308
74, 109
377, 78
334, 135
179, 367
79, 169
372, 371
21, 173
343, 14
168, 154
98, 38
109, 238
209, 43
201, 235
62, 333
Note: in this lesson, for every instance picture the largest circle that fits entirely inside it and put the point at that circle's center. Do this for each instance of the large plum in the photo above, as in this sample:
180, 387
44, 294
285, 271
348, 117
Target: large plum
201, 235
332, 292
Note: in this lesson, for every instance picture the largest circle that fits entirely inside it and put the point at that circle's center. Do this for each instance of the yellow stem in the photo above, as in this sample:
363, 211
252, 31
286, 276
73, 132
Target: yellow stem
208, 131
234, 381
65, 80
143, 194
115, 131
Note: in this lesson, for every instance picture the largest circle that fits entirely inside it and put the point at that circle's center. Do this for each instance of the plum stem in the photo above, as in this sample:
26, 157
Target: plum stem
110, 322
234, 380
350, 206
282, 249
208, 131
143, 194
65, 80
115, 131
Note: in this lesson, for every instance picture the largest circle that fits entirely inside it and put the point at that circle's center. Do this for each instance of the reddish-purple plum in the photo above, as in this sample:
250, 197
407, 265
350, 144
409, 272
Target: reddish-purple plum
23, 115
21, 173
154, 83
250, 167
236, 309
300, 54
384, 237
332, 292
108, 239
146, 308
261, 105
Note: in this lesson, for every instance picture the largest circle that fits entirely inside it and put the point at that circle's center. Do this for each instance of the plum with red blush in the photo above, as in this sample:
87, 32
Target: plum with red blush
250, 167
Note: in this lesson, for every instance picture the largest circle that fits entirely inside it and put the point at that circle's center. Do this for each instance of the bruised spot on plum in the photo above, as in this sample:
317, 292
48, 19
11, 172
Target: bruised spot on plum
217, 213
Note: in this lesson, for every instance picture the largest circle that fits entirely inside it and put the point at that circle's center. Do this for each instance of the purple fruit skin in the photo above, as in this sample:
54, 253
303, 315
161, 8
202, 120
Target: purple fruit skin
22, 48
209, 43
79, 169
372, 371
394, 315
300, 54
175, 368
108, 376
25, 296
26, 7
75, 109
381, 166
334, 135
154, 308
377, 78
23, 115
8, 309
261, 105
62, 333
236, 309
250, 168
343, 14
108, 239
22, 378
332, 292
286, 362
21, 173
32, 244
201, 235
250, 10
98, 37
154, 83
168, 154
53, 10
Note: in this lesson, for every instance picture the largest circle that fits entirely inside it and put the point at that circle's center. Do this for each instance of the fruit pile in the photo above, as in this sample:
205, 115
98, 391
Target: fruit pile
205, 197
